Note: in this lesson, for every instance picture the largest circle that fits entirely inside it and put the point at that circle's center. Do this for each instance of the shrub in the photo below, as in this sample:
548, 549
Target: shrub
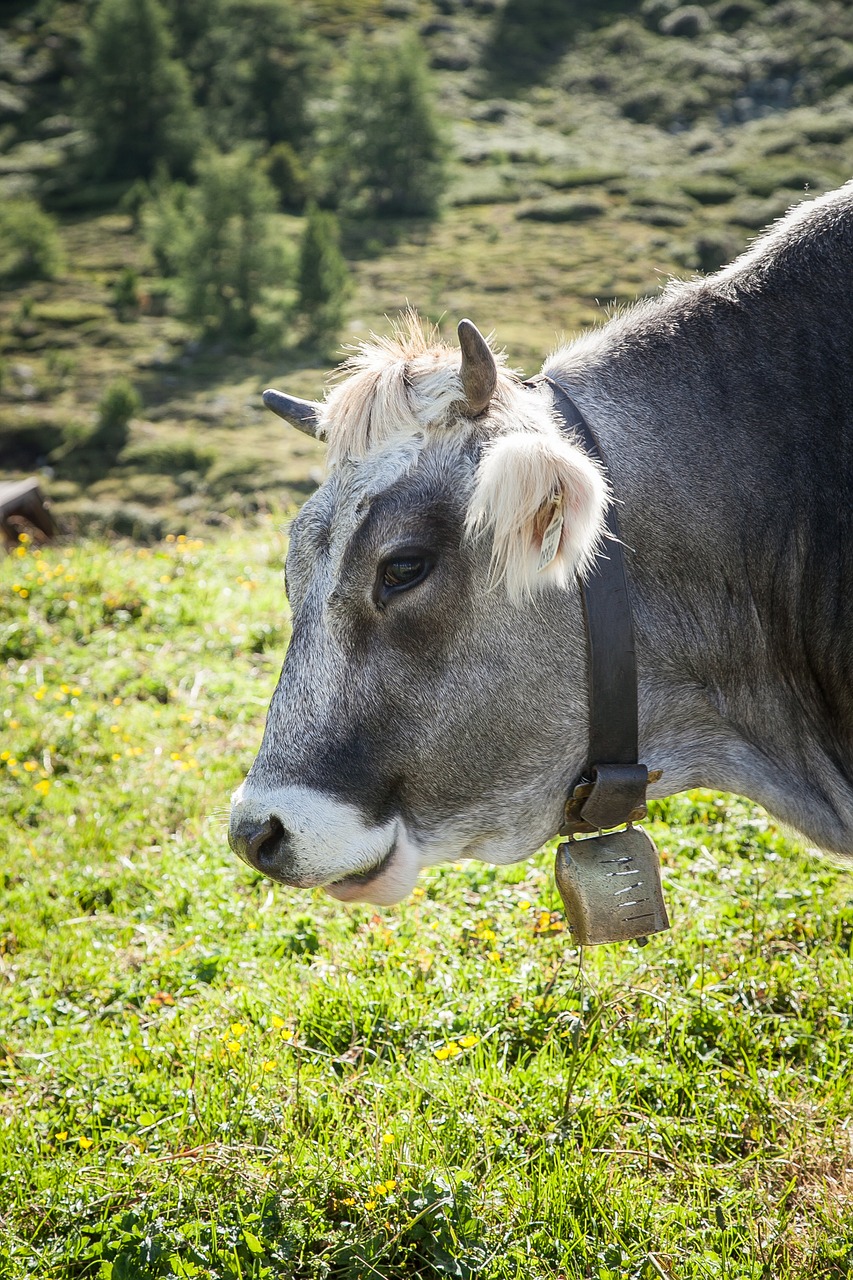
288, 175
30, 247
566, 179
133, 202
125, 293
563, 209
25, 443
529, 36
758, 214
323, 276
659, 215
733, 14
715, 249
710, 189
164, 219
172, 457
388, 152
119, 404
688, 21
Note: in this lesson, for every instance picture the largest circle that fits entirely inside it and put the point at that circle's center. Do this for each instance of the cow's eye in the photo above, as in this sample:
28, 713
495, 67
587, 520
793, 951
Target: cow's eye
403, 572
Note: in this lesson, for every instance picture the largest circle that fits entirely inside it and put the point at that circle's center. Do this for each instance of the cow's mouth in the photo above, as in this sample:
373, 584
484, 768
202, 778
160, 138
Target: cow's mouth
359, 879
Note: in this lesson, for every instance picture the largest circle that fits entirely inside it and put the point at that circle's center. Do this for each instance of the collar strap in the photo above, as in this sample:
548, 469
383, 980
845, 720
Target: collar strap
612, 789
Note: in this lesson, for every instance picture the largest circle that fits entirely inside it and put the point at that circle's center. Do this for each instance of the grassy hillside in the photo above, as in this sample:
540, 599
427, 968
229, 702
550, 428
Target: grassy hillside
204, 1075
597, 150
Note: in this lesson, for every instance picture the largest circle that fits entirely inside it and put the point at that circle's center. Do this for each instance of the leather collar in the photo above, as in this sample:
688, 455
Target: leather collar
612, 788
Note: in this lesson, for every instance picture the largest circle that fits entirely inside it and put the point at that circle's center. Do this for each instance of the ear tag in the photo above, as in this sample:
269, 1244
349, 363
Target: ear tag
610, 886
551, 538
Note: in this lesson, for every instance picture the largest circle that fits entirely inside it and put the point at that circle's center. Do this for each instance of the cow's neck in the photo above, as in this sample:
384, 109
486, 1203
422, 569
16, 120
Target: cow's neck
740, 542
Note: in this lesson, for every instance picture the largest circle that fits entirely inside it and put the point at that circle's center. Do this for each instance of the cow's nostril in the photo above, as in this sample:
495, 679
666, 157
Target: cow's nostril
268, 842
259, 841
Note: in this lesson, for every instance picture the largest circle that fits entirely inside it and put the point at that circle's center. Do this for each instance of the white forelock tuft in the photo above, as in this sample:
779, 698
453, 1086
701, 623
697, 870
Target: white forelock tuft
406, 386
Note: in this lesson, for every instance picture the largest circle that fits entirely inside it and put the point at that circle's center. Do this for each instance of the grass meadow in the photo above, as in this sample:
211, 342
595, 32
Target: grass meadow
204, 1075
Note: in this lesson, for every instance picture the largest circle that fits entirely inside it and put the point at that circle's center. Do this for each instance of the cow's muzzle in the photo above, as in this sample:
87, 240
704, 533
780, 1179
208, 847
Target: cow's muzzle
307, 838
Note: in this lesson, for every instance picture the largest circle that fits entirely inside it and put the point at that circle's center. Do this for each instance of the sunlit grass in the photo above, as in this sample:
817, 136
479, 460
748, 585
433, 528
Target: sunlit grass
206, 1075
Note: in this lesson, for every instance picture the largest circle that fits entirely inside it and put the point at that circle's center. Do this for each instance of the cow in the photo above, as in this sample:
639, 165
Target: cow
433, 701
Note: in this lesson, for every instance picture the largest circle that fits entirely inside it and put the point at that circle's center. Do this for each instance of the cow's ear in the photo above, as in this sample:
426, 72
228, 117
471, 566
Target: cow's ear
543, 500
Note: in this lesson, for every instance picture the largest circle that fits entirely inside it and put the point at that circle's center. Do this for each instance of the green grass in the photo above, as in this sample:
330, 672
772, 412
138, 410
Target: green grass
205, 1075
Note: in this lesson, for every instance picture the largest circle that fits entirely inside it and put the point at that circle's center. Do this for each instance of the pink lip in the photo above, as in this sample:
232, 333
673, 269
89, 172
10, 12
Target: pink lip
351, 888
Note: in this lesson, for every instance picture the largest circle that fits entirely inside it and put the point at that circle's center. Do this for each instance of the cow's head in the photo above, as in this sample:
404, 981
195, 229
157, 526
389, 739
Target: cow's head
432, 703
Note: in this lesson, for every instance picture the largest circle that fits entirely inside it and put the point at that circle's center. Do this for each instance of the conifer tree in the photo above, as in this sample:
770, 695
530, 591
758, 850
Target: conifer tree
324, 282
253, 71
388, 153
222, 252
134, 96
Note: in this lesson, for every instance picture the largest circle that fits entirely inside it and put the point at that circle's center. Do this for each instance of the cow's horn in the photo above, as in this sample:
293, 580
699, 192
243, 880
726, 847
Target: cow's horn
479, 372
302, 414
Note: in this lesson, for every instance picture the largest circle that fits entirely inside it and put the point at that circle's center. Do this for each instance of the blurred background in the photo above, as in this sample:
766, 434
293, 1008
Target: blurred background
199, 198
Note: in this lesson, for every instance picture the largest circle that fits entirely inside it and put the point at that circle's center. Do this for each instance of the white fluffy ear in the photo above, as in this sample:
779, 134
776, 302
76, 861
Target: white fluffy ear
543, 499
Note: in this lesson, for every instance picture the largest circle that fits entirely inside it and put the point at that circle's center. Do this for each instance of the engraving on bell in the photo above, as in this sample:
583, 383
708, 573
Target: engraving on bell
611, 888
